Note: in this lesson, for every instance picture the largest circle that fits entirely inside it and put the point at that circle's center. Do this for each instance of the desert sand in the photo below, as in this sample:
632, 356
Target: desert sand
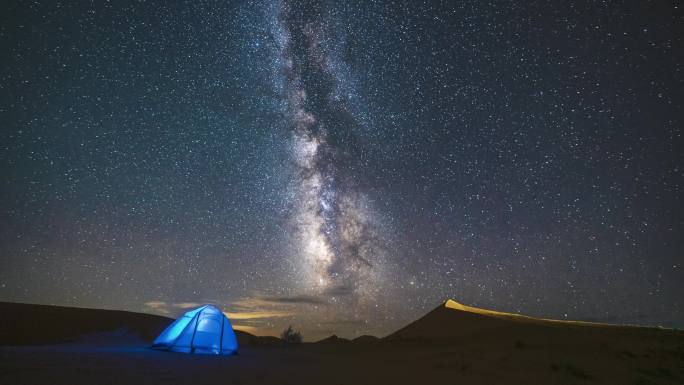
453, 344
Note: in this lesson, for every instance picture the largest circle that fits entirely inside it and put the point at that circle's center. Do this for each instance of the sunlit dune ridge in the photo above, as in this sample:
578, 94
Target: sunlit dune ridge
451, 304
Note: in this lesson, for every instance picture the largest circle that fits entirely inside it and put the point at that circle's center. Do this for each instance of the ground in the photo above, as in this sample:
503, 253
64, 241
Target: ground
506, 352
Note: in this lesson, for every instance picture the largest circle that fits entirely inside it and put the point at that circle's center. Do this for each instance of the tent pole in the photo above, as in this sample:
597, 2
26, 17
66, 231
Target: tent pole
223, 322
194, 330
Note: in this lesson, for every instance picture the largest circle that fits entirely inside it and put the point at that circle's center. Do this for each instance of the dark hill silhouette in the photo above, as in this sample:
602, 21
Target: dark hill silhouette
30, 324
366, 339
333, 339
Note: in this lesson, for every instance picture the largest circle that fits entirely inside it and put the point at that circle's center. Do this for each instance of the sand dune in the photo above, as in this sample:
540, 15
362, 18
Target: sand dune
453, 344
455, 320
27, 324
30, 324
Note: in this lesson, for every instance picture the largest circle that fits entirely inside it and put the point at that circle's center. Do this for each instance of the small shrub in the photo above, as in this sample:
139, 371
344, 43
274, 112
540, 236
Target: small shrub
290, 336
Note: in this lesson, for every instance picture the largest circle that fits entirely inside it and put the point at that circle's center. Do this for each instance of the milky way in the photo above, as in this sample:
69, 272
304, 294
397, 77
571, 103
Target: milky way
336, 240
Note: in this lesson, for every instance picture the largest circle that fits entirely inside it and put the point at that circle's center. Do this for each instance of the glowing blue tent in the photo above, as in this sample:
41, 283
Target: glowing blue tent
204, 330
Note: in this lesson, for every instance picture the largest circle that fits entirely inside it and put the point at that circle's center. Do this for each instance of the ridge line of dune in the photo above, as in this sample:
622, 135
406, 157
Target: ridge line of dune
451, 304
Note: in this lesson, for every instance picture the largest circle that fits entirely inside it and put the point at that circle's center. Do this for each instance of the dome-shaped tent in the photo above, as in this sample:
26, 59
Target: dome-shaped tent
203, 330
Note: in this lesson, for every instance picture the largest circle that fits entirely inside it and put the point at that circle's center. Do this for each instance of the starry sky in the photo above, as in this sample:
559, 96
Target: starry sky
343, 167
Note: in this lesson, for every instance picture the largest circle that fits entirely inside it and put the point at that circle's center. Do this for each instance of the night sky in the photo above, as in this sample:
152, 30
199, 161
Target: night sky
343, 167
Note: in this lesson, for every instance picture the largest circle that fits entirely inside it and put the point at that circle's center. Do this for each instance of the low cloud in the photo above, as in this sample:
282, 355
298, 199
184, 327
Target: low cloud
297, 299
258, 309
187, 305
155, 304
158, 306
248, 315
340, 290
170, 308
246, 328
264, 307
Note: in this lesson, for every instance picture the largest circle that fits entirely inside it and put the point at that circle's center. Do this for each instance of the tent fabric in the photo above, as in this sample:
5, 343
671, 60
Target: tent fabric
205, 330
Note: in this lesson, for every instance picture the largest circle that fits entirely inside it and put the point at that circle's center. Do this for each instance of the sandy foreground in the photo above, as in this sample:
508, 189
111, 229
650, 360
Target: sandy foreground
450, 345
